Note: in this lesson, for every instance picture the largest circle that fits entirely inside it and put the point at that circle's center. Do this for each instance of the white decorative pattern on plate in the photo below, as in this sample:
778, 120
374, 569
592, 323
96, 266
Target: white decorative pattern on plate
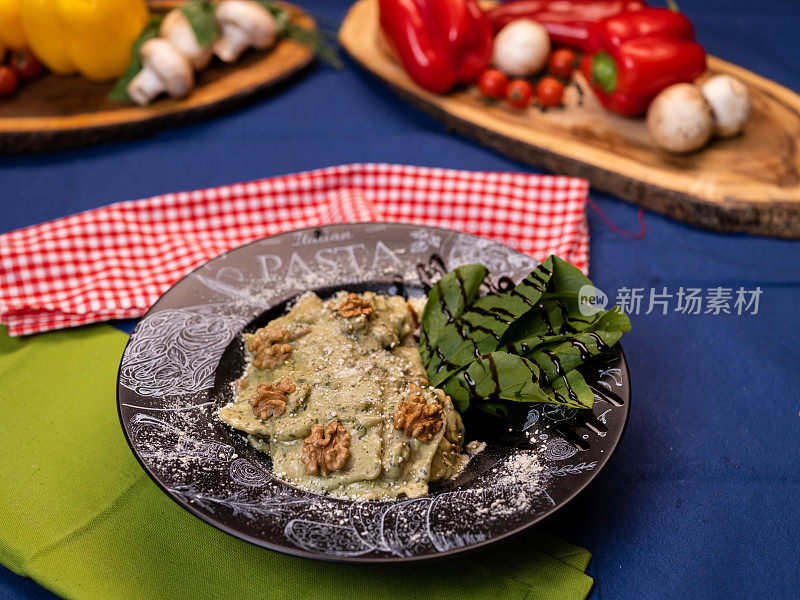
424, 240
156, 438
614, 374
558, 448
175, 351
444, 522
246, 473
531, 419
557, 413
237, 502
564, 470
466, 249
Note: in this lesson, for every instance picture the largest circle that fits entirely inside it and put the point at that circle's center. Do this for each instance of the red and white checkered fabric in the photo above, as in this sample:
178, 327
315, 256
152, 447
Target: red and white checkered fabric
114, 262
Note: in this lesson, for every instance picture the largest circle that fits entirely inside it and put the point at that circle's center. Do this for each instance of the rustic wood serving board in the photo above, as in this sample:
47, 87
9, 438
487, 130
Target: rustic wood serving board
58, 113
750, 183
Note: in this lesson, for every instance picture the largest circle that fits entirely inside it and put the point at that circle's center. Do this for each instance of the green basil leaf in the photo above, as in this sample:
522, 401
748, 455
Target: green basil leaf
558, 310
480, 329
120, 91
504, 376
448, 299
495, 377
200, 15
570, 390
556, 354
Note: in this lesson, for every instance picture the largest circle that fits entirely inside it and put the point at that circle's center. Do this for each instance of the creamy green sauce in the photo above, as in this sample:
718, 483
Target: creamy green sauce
355, 370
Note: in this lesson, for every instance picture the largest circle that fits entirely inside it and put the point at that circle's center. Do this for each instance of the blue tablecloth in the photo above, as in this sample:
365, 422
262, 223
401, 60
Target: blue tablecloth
702, 499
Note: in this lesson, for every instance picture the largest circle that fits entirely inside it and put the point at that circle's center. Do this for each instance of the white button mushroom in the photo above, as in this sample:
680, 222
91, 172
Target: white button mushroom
176, 28
164, 69
680, 119
521, 48
730, 102
242, 24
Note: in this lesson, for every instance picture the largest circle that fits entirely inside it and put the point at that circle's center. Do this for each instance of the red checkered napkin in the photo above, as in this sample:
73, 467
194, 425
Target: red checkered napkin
114, 262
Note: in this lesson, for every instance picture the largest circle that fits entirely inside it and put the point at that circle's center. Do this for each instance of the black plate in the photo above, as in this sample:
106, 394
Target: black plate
184, 353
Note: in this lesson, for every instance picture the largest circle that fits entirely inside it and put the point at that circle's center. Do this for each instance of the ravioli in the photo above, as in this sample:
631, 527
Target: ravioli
352, 360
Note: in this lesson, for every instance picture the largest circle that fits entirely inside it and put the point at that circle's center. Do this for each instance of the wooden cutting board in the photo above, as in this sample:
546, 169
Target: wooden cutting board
58, 113
749, 183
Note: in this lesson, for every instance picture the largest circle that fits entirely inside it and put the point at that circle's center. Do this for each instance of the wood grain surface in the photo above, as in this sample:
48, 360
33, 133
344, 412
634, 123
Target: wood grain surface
57, 113
749, 183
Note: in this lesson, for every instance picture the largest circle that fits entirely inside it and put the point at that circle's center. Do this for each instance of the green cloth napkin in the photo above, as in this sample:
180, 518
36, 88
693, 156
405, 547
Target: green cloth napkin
78, 514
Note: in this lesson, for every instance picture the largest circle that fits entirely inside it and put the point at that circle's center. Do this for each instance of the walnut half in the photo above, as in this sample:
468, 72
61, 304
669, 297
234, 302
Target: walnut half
418, 419
326, 449
269, 346
270, 399
353, 305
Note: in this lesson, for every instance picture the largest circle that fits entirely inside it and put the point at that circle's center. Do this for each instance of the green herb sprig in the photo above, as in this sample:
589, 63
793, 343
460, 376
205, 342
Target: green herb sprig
200, 14
317, 40
525, 344
120, 91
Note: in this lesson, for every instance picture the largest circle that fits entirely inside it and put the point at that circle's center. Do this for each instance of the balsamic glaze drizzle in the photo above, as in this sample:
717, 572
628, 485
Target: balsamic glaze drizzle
471, 383
545, 318
493, 314
560, 372
581, 347
592, 423
524, 298
527, 282
571, 437
495, 378
427, 272
601, 345
606, 395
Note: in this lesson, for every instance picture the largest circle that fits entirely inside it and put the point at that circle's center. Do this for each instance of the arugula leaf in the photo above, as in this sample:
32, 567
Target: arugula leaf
522, 345
200, 15
120, 91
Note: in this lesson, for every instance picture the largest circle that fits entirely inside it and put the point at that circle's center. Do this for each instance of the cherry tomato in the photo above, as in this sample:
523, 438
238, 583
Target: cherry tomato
25, 64
493, 83
550, 91
519, 93
8, 80
562, 63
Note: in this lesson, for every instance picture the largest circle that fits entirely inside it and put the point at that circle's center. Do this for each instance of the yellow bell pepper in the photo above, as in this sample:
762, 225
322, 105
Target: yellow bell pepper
93, 37
11, 34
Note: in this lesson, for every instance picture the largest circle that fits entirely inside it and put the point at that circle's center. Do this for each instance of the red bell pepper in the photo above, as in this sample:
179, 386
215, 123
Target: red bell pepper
474, 59
567, 21
631, 57
653, 22
440, 43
